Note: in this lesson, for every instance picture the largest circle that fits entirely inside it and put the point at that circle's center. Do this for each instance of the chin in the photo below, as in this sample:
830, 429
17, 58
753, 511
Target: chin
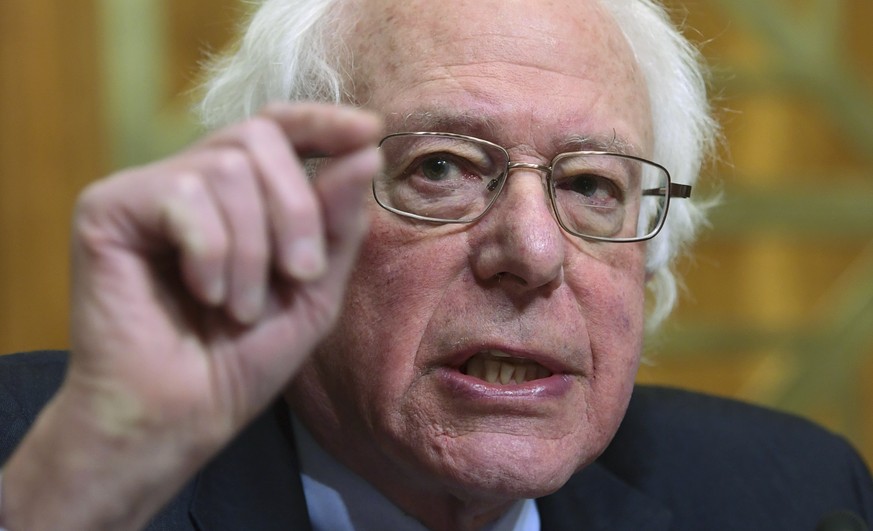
507, 467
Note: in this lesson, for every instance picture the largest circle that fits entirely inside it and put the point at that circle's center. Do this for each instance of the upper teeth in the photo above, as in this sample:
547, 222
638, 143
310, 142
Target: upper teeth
495, 366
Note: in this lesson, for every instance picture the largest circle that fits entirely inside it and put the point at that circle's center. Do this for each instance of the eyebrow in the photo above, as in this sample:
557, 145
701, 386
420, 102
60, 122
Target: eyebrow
440, 120
611, 144
483, 126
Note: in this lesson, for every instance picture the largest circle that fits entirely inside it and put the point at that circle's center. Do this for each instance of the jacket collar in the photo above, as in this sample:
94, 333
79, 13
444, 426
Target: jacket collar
255, 482
598, 499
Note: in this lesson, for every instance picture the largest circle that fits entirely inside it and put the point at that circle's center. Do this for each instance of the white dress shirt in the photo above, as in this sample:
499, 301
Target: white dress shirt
340, 500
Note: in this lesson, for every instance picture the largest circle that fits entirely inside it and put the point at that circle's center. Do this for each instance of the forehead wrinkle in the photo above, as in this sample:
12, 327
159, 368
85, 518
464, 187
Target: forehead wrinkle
441, 120
517, 68
474, 123
513, 48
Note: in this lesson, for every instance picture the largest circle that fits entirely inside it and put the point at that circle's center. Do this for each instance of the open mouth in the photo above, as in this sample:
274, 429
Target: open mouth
496, 367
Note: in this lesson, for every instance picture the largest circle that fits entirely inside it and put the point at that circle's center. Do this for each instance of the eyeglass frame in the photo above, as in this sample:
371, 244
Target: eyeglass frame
670, 191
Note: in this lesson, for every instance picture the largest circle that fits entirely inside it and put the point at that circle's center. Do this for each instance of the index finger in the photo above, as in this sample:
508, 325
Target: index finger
319, 129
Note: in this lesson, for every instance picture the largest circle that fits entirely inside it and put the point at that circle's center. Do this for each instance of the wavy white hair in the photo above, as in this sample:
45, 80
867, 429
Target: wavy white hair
293, 50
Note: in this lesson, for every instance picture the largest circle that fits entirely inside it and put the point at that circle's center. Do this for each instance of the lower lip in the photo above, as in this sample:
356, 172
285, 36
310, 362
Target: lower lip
467, 387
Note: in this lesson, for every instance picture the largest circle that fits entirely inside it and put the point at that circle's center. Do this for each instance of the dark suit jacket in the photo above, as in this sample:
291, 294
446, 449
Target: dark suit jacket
680, 460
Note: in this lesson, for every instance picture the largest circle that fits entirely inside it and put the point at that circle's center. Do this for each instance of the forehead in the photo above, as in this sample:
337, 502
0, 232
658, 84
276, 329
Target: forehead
562, 65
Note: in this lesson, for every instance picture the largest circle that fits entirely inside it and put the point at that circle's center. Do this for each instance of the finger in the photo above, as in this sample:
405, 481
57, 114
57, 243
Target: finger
344, 187
317, 129
192, 223
233, 184
291, 204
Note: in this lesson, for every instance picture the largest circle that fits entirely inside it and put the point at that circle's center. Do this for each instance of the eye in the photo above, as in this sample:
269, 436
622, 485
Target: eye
442, 168
594, 187
438, 168
586, 185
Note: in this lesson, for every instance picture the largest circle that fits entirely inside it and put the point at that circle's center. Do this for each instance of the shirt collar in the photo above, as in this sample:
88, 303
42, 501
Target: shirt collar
340, 500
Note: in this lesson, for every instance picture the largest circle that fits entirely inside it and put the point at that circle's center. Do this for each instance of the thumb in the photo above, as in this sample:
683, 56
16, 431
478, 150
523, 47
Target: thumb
343, 187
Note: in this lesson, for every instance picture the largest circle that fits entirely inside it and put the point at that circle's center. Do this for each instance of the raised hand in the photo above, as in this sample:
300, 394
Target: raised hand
200, 283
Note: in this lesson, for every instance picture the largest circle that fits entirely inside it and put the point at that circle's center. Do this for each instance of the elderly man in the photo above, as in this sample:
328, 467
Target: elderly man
287, 326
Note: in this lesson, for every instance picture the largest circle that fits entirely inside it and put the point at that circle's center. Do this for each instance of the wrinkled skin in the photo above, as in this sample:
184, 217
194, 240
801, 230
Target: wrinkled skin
383, 392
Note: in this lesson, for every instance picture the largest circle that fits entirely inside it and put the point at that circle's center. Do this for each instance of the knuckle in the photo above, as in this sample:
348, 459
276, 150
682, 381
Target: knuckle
303, 205
258, 128
100, 206
231, 162
251, 250
215, 248
90, 212
99, 194
299, 197
276, 107
91, 199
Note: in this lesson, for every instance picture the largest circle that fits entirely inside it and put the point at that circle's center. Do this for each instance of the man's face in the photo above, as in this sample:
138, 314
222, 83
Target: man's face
399, 391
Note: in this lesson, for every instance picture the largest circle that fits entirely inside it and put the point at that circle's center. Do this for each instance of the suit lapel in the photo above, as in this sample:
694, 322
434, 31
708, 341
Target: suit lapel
596, 499
255, 482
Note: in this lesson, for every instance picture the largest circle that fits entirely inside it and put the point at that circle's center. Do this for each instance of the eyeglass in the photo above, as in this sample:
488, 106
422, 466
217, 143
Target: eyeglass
454, 178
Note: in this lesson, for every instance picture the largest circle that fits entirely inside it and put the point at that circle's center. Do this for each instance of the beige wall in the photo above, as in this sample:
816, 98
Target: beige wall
779, 307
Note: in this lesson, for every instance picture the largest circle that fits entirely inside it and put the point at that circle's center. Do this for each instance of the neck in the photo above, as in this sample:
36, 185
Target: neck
430, 503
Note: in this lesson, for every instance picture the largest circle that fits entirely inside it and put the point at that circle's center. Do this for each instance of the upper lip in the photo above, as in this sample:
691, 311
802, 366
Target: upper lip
556, 364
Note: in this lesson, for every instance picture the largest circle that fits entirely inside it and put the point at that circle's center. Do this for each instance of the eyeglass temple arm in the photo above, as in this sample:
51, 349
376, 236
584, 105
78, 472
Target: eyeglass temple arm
677, 191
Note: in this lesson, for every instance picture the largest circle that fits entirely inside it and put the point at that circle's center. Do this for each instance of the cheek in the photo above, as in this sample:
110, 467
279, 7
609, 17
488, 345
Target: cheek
399, 281
609, 282
614, 306
615, 310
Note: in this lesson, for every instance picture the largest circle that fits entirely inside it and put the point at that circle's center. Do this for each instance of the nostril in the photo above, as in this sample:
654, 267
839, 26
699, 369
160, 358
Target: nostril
509, 277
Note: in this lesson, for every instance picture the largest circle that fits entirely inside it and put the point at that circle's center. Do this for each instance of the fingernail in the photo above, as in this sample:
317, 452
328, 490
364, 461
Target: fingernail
215, 291
251, 305
305, 259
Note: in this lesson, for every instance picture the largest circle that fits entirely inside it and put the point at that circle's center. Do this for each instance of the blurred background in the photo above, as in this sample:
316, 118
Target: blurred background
778, 305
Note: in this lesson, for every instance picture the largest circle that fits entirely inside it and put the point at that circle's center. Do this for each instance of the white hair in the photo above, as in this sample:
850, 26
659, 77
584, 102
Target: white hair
293, 50
685, 132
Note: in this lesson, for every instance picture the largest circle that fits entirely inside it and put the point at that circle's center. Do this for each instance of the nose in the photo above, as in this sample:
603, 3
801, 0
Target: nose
519, 241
